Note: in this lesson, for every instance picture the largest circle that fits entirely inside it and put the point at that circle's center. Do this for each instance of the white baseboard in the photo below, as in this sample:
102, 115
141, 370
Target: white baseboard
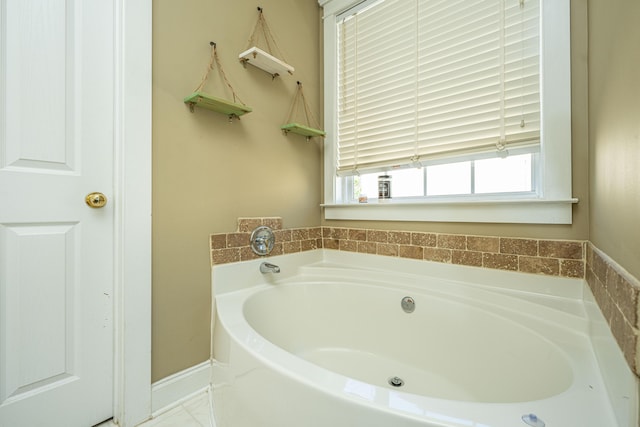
171, 391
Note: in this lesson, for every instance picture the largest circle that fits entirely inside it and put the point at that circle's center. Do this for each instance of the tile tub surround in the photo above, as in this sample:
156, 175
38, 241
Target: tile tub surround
549, 257
616, 292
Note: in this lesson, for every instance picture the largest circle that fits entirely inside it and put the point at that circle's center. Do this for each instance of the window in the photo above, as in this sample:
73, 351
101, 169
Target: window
466, 105
485, 176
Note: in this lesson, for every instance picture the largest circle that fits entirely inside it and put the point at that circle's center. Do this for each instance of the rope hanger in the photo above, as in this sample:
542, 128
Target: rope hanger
298, 99
269, 39
215, 60
265, 59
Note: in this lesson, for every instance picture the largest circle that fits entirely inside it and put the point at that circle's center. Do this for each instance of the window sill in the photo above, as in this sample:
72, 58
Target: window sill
529, 211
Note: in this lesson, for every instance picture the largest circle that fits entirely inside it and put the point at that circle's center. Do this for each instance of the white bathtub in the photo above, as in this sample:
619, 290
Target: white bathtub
317, 344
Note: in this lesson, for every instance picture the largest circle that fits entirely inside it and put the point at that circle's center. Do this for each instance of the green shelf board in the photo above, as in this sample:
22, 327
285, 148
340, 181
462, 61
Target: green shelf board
201, 99
302, 130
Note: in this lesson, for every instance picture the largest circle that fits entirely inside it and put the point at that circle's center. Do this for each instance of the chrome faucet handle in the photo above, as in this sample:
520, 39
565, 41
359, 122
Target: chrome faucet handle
262, 240
261, 243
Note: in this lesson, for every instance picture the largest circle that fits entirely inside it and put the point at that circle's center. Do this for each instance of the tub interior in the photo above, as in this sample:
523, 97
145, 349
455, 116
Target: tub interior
445, 349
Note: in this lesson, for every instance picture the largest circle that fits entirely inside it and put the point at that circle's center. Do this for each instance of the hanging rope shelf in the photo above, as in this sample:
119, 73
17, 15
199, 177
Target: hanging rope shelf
304, 130
233, 109
259, 58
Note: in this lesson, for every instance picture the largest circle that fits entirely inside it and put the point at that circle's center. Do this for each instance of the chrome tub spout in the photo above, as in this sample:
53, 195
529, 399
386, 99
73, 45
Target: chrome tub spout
266, 267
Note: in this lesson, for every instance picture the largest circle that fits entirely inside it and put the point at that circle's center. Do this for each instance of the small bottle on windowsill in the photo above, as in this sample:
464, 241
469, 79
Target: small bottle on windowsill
384, 188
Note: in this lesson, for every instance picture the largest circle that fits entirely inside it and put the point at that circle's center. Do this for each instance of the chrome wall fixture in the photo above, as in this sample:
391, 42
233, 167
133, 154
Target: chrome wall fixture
262, 240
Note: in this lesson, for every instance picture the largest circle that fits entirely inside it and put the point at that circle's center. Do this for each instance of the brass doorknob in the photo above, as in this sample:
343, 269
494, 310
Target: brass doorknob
96, 200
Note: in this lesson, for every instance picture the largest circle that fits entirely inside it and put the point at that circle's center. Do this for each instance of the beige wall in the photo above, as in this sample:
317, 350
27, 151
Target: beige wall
207, 171
614, 118
580, 154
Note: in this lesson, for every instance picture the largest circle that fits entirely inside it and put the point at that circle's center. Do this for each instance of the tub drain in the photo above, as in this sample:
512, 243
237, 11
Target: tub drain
396, 382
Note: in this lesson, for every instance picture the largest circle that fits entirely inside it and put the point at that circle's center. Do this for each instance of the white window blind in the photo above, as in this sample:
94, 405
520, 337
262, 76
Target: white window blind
425, 79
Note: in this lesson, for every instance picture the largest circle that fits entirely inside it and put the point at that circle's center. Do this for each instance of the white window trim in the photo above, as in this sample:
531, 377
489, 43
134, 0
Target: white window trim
554, 202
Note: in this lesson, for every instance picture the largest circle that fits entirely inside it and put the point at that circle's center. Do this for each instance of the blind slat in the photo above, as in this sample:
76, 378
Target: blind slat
436, 77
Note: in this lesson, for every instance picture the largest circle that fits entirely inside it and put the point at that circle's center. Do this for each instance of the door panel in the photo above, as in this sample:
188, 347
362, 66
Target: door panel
56, 253
40, 283
41, 86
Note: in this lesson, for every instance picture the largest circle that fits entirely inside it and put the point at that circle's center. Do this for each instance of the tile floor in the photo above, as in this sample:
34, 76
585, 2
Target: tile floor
193, 412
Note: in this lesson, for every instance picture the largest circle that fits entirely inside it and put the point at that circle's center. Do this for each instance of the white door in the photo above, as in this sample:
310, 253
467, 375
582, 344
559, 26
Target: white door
56, 252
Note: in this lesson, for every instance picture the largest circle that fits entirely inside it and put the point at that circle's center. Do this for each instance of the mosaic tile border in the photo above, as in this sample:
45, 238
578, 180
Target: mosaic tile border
548, 257
617, 294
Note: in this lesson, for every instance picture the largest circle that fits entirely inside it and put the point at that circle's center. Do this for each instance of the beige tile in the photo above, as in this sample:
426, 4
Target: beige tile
500, 261
349, 245
518, 246
309, 244
452, 241
199, 408
315, 233
560, 249
466, 258
624, 294
483, 244
626, 338
278, 249
436, 254
357, 234
236, 240
335, 233
282, 235
367, 247
299, 234
248, 224
546, 266
572, 268
224, 256
177, 417
292, 247
329, 243
388, 249
246, 254
600, 267
219, 241
378, 236
600, 294
400, 237
275, 222
409, 251
423, 239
